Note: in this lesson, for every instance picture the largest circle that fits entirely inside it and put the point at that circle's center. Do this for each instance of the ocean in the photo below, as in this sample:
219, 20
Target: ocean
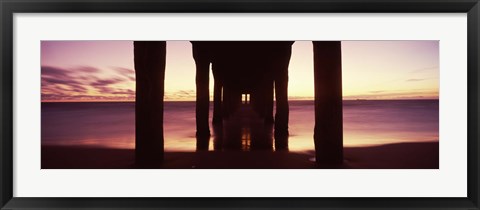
112, 124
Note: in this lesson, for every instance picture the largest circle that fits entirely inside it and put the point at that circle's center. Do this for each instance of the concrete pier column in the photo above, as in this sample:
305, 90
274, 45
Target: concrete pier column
217, 102
328, 134
281, 93
226, 103
149, 58
282, 109
269, 103
202, 62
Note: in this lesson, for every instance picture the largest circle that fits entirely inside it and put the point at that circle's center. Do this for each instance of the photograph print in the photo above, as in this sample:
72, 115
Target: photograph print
240, 104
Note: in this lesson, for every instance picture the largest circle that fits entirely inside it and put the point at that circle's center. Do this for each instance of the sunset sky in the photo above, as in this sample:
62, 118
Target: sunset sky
104, 70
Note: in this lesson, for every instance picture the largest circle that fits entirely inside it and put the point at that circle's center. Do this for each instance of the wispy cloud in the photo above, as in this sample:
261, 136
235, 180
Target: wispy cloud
106, 82
86, 83
424, 69
413, 94
92, 84
87, 69
414, 80
181, 95
125, 72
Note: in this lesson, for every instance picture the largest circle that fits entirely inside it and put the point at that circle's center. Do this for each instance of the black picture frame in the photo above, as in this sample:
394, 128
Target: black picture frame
10, 7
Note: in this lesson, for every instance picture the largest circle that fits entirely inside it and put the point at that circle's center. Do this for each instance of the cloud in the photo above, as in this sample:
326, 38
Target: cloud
58, 79
299, 98
104, 89
56, 97
79, 83
122, 70
180, 95
424, 69
125, 72
414, 80
105, 82
397, 95
87, 69
124, 92
52, 80
49, 71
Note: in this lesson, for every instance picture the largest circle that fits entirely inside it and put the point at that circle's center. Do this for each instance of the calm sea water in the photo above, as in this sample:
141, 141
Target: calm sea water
112, 125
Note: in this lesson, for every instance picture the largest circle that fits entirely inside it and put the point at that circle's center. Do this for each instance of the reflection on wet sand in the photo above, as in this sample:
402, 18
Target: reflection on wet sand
111, 125
243, 131
421, 155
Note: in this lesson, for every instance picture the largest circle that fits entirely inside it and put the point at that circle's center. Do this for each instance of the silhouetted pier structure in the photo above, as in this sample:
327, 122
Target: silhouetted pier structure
257, 68
245, 130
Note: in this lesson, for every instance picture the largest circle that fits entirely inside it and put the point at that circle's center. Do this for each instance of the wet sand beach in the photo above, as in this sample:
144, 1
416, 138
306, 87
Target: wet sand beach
392, 156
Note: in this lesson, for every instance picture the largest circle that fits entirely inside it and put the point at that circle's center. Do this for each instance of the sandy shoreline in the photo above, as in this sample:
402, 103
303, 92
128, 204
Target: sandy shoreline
391, 156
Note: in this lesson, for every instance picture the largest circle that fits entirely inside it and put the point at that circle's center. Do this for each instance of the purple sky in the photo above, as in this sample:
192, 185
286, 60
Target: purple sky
104, 70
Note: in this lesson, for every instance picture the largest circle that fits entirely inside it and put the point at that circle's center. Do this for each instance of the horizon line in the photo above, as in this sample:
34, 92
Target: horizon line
120, 101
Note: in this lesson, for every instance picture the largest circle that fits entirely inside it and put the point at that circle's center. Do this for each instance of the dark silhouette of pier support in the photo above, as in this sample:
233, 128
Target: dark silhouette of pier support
202, 59
217, 102
149, 57
280, 64
328, 134
269, 103
255, 68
